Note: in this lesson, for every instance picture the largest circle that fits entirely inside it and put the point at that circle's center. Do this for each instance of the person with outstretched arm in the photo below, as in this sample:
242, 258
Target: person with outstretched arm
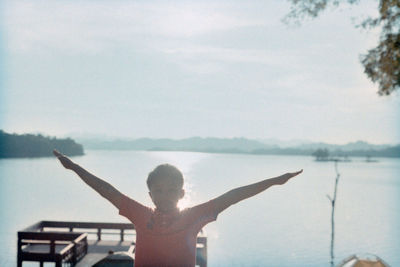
165, 235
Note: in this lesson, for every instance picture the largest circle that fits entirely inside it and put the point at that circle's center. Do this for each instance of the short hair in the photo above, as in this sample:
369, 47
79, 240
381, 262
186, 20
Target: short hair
165, 171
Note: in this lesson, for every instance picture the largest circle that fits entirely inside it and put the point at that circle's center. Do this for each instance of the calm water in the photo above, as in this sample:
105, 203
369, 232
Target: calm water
285, 226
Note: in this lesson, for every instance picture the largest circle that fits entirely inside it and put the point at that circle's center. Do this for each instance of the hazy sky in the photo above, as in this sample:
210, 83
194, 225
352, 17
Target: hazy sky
189, 68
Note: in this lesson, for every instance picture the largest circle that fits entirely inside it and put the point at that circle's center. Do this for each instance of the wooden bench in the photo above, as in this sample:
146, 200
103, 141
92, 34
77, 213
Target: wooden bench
51, 247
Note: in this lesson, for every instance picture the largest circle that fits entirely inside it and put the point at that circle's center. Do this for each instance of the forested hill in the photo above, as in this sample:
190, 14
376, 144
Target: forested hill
30, 145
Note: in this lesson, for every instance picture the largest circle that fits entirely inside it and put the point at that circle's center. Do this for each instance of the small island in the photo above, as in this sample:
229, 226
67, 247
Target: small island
30, 146
323, 155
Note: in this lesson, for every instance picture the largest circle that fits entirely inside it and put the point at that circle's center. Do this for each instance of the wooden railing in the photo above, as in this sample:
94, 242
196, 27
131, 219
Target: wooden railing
72, 236
91, 226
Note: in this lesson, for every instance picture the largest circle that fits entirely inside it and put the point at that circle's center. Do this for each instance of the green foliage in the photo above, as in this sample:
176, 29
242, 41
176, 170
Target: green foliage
302, 9
29, 145
382, 63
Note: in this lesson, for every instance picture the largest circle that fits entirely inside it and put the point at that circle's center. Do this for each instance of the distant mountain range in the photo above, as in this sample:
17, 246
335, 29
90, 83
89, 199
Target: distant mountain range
239, 145
38, 145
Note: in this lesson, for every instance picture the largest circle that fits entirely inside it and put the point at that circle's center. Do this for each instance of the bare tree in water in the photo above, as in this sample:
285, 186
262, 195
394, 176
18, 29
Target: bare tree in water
333, 202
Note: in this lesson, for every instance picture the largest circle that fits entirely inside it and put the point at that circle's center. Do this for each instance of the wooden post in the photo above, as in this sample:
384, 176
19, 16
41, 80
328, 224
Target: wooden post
201, 253
58, 261
19, 254
52, 247
205, 253
122, 235
99, 234
74, 254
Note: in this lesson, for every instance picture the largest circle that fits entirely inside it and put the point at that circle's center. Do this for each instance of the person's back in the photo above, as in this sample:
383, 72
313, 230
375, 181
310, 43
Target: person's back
166, 236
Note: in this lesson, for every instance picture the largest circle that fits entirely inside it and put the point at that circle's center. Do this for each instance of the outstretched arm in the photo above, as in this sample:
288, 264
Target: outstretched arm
102, 187
238, 194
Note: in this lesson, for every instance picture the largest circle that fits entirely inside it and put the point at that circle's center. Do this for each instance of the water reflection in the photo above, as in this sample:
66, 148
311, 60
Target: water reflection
285, 226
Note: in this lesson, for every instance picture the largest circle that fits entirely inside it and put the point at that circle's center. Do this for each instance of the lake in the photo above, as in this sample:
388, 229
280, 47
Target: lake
286, 225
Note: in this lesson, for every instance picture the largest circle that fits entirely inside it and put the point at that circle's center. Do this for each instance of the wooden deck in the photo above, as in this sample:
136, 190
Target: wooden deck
99, 249
81, 243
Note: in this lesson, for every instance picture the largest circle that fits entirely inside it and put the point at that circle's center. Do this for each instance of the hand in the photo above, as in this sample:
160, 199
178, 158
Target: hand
293, 174
65, 161
286, 177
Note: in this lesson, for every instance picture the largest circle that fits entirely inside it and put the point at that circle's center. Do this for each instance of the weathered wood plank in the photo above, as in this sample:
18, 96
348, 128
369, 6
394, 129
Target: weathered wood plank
99, 249
42, 248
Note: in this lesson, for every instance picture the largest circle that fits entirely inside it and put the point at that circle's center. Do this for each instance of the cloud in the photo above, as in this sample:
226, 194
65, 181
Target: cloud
90, 26
231, 61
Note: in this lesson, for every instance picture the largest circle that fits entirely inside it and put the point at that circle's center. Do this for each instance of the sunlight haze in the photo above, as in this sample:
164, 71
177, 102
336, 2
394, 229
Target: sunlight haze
178, 69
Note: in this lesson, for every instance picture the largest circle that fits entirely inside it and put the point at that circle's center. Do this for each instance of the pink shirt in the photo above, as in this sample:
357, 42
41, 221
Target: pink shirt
166, 239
